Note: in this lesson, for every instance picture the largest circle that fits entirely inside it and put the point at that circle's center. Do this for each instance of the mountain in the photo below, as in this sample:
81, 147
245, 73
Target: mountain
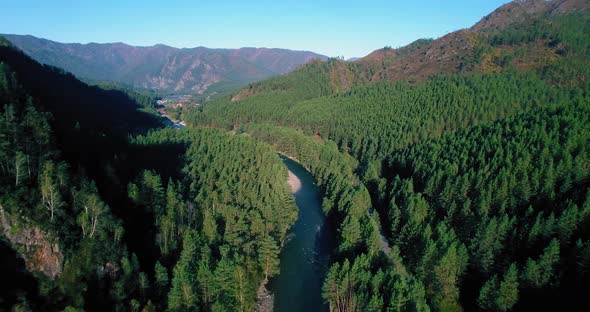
548, 44
66, 140
164, 68
520, 10
79, 187
454, 176
466, 50
511, 37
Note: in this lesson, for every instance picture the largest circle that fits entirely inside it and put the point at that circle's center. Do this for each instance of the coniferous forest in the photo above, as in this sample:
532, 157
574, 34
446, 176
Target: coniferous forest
467, 189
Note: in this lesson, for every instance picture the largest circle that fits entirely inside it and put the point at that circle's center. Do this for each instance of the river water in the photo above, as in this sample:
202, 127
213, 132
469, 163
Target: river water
305, 256
172, 124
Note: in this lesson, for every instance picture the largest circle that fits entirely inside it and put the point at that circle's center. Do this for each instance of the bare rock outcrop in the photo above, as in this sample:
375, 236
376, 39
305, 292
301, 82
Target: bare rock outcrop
264, 299
38, 248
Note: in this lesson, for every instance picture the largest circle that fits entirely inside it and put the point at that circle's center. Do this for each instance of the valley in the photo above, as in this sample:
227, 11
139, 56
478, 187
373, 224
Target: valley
451, 174
171, 108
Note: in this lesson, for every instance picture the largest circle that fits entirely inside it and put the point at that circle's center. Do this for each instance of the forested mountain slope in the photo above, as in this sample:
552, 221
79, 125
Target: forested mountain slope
309, 100
455, 171
477, 168
164, 68
221, 225
177, 220
533, 40
520, 34
52, 212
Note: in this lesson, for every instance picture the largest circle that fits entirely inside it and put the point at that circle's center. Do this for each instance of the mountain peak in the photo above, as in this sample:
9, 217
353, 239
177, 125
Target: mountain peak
380, 54
519, 10
450, 53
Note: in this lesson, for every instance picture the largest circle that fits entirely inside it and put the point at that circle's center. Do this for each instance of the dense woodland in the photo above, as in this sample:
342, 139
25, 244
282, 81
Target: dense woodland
44, 192
479, 180
213, 214
145, 98
468, 191
221, 225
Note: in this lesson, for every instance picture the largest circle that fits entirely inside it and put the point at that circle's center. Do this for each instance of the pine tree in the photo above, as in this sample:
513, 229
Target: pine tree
488, 294
183, 295
161, 274
350, 233
269, 257
507, 295
538, 273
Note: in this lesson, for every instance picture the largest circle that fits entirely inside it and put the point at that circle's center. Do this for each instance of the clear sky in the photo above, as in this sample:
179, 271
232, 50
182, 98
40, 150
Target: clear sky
334, 28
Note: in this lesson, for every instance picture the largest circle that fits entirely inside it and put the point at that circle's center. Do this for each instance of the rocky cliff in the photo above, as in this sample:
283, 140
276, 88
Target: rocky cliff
38, 248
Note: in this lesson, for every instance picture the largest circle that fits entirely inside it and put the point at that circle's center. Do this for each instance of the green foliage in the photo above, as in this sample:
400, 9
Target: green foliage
183, 294
161, 275
57, 137
145, 98
269, 256
233, 191
479, 170
346, 199
538, 273
376, 119
508, 291
487, 294
475, 177
500, 296
352, 287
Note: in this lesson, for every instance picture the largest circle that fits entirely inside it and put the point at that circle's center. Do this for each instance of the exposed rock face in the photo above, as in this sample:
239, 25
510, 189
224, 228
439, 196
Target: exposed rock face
264, 299
161, 67
38, 248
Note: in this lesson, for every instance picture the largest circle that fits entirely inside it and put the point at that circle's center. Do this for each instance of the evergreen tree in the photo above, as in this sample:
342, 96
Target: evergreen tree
183, 295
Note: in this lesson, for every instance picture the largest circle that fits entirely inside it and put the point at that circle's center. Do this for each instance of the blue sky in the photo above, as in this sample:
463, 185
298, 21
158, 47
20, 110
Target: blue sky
333, 28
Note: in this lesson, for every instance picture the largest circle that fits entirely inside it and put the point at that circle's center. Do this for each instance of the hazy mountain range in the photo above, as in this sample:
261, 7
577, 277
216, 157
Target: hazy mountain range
164, 68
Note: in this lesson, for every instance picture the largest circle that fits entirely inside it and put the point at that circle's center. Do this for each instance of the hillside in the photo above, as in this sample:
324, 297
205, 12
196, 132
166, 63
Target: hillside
164, 68
452, 174
472, 148
540, 44
95, 216
519, 11
488, 46
58, 205
478, 49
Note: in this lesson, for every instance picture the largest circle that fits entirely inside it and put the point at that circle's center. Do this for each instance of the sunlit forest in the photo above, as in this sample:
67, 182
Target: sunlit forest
460, 191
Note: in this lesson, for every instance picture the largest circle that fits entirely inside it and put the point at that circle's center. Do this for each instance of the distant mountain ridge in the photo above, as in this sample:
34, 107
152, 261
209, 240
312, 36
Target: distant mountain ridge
161, 67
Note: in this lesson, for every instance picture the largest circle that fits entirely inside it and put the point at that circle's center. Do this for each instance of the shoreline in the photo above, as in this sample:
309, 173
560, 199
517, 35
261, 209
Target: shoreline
294, 182
264, 299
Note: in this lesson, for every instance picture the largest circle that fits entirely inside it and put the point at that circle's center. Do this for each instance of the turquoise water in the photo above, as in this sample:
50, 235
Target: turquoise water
305, 256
